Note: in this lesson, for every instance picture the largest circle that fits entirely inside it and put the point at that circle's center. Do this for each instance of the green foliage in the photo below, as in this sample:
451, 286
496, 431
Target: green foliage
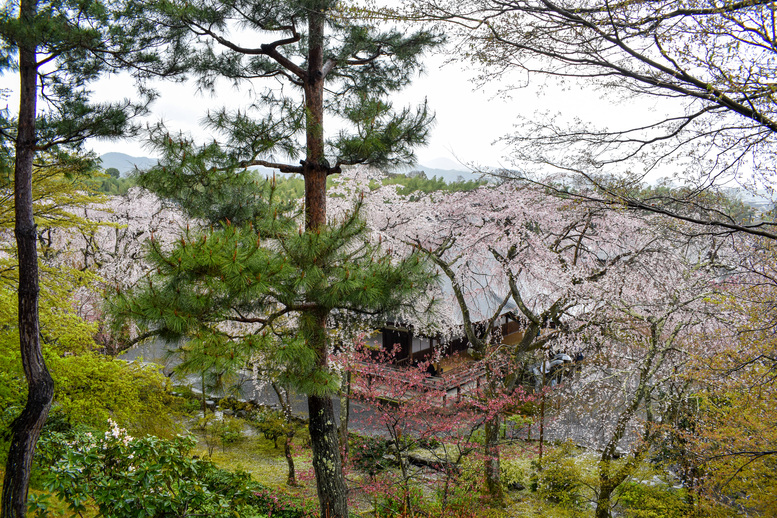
394, 502
223, 429
292, 187
420, 183
260, 272
642, 500
112, 185
464, 500
187, 401
207, 184
272, 424
371, 454
515, 471
91, 388
60, 187
560, 478
128, 477
365, 64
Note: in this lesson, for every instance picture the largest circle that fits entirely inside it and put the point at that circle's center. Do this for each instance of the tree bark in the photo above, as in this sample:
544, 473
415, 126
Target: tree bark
603, 500
327, 464
283, 399
27, 427
292, 478
315, 167
493, 473
330, 481
345, 412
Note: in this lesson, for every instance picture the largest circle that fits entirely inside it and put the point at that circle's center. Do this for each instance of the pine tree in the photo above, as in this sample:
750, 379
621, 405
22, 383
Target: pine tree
260, 288
327, 62
58, 47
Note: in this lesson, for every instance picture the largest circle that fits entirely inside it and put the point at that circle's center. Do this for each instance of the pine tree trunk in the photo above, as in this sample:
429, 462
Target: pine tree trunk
40, 387
330, 481
327, 464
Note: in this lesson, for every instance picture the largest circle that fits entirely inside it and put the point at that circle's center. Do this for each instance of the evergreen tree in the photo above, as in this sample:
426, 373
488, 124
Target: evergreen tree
327, 62
58, 47
260, 289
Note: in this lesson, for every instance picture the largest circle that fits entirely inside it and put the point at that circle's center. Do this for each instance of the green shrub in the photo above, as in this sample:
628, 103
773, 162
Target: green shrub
515, 471
641, 500
222, 430
272, 424
370, 455
186, 400
90, 389
126, 477
560, 479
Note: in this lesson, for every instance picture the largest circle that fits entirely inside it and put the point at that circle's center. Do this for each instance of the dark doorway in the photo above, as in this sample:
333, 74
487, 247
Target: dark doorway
392, 337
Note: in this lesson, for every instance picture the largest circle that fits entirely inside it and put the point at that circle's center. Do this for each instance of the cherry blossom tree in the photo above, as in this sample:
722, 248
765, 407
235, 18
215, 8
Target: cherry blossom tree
113, 246
639, 365
723, 438
512, 253
567, 271
706, 68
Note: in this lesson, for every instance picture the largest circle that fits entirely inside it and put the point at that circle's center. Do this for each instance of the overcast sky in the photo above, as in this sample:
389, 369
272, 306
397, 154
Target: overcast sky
468, 120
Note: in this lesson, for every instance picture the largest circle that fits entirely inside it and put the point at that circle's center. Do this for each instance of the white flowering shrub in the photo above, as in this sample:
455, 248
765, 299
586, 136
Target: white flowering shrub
127, 477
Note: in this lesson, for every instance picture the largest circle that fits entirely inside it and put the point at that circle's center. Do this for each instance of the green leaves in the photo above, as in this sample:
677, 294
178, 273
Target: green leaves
235, 292
356, 64
128, 477
383, 138
195, 178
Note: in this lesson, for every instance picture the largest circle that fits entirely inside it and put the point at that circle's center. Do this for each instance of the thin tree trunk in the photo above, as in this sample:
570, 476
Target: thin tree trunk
401, 459
345, 412
283, 399
542, 420
292, 478
203, 398
40, 387
493, 474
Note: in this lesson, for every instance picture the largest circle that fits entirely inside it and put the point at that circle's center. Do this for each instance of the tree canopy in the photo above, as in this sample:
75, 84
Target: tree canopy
707, 67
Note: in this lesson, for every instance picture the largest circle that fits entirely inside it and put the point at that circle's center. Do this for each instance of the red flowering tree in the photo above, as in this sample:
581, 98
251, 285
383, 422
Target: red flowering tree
427, 434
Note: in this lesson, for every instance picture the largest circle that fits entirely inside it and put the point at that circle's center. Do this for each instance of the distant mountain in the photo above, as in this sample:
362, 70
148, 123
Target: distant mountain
445, 164
126, 163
